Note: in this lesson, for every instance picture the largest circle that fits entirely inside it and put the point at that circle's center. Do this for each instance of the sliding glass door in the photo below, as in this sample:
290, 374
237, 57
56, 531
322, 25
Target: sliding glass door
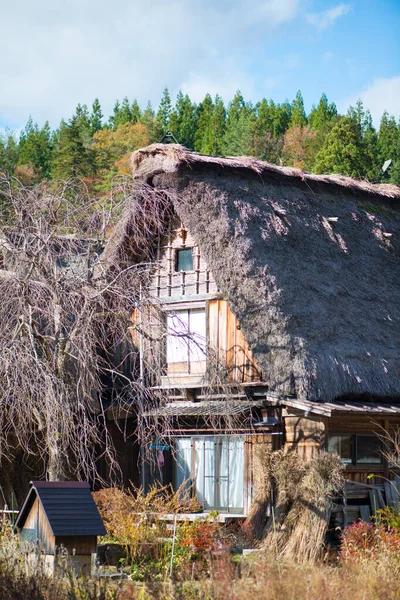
215, 464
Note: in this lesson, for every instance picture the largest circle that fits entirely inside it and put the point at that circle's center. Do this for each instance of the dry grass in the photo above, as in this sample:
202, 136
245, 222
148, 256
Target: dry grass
256, 578
261, 580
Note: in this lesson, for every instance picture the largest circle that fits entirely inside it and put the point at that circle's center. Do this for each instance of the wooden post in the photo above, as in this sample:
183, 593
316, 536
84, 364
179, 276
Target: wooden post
385, 460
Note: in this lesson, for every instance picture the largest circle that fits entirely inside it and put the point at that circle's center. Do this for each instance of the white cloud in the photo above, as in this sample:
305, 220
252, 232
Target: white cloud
71, 51
327, 57
383, 94
326, 19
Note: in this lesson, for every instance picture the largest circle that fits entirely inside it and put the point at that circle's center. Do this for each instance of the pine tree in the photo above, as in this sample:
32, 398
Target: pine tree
164, 110
9, 153
320, 120
298, 117
238, 139
125, 114
342, 152
321, 117
240, 124
183, 121
270, 127
265, 117
82, 118
204, 135
367, 140
389, 140
283, 114
114, 117
96, 117
153, 127
36, 149
136, 113
370, 148
395, 171
219, 124
71, 158
235, 108
357, 114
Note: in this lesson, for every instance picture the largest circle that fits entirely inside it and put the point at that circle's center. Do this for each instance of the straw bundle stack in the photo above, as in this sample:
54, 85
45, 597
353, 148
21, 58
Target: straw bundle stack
305, 499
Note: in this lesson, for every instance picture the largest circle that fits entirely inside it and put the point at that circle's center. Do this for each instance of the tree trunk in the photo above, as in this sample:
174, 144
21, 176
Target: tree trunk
56, 467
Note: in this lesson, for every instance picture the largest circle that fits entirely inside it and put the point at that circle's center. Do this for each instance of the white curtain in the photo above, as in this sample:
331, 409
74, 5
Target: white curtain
219, 472
236, 472
183, 461
205, 471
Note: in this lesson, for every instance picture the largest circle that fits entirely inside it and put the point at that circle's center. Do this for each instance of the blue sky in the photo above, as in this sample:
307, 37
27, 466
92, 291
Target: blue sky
54, 55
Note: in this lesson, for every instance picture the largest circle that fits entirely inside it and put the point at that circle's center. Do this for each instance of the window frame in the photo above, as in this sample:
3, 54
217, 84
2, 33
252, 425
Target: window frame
188, 309
354, 462
218, 441
176, 259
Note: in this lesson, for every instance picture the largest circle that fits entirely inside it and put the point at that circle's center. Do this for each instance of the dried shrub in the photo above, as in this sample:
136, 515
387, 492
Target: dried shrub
366, 541
131, 517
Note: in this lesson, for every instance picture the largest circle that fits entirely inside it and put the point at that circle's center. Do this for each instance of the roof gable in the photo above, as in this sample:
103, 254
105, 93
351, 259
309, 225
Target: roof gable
68, 505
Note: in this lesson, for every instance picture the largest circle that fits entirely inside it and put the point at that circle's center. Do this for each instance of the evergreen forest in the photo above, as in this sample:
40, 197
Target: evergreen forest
96, 150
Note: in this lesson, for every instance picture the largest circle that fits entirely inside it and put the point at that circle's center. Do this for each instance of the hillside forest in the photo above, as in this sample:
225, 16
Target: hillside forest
94, 149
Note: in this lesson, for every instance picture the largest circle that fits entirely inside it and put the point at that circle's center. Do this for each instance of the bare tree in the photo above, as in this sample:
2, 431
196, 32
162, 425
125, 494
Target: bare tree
66, 306
63, 309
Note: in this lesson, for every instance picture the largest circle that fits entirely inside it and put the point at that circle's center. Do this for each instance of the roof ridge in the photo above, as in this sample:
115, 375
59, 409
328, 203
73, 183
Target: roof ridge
175, 155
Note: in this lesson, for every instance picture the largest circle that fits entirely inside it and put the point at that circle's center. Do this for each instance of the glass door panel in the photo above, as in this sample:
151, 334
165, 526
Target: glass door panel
219, 470
205, 471
222, 480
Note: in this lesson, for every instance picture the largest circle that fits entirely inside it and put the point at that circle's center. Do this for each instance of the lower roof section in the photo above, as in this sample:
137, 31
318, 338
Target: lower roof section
213, 407
237, 407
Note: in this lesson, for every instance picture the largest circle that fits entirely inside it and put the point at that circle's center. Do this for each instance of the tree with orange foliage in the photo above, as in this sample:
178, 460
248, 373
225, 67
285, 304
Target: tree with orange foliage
114, 147
298, 147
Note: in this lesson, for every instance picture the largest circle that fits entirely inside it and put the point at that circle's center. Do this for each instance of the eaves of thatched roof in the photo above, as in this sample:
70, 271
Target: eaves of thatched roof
308, 263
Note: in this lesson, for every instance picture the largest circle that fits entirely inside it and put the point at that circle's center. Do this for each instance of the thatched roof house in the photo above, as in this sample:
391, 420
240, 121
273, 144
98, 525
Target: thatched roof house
294, 281
309, 265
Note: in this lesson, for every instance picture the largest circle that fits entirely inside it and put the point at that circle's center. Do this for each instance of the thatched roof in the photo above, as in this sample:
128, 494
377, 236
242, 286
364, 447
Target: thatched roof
309, 264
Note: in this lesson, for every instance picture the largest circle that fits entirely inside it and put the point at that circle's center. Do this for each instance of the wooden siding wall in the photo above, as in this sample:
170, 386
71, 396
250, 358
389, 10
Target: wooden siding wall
150, 320
230, 348
37, 520
306, 435
79, 545
167, 282
229, 351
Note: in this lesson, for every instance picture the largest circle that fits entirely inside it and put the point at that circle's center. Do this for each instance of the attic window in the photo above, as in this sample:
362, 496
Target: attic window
184, 260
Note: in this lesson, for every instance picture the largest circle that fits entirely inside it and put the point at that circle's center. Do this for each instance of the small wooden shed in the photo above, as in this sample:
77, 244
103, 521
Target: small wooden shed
61, 518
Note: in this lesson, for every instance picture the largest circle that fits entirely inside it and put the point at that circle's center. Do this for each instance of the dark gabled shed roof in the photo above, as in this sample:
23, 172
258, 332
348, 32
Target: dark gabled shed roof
68, 505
